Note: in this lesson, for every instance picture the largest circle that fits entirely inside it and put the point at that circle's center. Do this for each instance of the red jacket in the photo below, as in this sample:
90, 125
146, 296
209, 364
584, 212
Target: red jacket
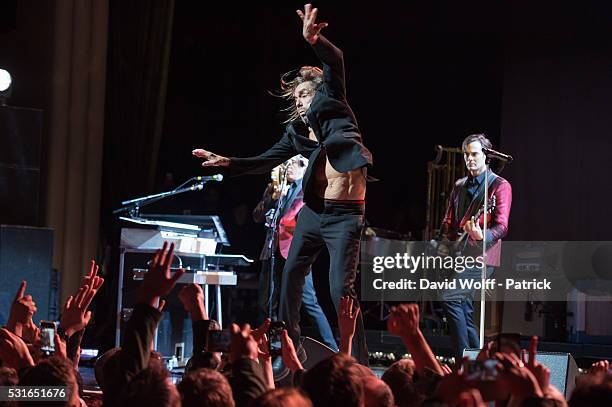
497, 226
286, 225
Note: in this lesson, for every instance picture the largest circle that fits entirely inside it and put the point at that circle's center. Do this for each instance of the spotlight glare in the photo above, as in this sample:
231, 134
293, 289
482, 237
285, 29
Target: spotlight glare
5, 80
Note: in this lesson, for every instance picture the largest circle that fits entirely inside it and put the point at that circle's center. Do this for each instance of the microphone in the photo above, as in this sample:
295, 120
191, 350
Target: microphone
490, 153
216, 177
203, 179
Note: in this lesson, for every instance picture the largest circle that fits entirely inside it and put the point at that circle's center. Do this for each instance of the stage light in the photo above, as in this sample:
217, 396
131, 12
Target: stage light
5, 86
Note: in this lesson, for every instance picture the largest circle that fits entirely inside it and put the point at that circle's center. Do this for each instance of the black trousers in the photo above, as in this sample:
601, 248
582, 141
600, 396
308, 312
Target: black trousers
310, 302
337, 226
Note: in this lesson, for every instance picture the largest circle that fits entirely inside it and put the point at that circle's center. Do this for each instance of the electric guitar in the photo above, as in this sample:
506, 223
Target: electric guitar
456, 247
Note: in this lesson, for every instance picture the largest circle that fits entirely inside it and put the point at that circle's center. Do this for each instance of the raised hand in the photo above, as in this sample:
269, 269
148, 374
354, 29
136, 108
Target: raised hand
601, 366
517, 378
264, 355
486, 352
446, 369
310, 28
192, 297
75, 315
260, 332
92, 280
541, 372
13, 350
242, 345
60, 347
290, 357
22, 310
158, 281
30, 332
404, 320
347, 318
211, 159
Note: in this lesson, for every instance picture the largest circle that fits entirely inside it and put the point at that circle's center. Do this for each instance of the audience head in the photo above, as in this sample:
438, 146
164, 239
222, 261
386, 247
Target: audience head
54, 371
151, 387
592, 390
203, 360
335, 382
8, 376
284, 396
363, 371
376, 392
400, 378
108, 360
107, 365
205, 388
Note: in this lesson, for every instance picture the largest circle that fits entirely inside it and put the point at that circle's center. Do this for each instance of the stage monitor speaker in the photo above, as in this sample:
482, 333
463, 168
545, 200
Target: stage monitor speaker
26, 253
563, 368
315, 352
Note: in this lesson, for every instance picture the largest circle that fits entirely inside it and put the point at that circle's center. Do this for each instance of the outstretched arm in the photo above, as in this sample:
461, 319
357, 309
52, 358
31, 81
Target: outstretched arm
277, 154
331, 57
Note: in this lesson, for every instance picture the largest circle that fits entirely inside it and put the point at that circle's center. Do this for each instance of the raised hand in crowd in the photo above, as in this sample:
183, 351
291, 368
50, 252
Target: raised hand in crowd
242, 345
290, 357
265, 357
92, 279
517, 378
602, 366
446, 369
541, 372
192, 297
158, 281
347, 318
14, 351
404, 322
75, 315
60, 347
20, 315
487, 352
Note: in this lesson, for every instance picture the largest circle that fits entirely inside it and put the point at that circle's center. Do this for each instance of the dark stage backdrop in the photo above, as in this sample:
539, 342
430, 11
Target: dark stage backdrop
556, 122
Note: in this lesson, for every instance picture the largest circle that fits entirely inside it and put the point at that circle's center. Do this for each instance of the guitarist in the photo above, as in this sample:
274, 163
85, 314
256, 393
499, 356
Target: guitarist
466, 199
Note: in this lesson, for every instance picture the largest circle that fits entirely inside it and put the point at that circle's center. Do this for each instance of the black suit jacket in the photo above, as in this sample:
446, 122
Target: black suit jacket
332, 121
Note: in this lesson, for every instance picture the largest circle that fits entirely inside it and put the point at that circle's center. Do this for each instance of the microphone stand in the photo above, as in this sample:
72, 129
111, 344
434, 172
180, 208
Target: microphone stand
132, 206
483, 274
272, 246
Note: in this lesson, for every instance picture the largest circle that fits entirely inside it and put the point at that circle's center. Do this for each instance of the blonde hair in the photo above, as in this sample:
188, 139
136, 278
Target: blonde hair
287, 88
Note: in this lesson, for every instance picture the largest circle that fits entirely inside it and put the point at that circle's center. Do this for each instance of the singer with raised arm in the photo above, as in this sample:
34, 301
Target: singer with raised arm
322, 127
463, 223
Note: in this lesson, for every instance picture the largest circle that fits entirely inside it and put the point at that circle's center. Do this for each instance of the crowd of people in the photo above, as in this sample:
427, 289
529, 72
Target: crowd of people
134, 374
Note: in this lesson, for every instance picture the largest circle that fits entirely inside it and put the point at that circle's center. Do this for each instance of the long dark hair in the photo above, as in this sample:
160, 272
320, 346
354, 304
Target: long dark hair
287, 88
